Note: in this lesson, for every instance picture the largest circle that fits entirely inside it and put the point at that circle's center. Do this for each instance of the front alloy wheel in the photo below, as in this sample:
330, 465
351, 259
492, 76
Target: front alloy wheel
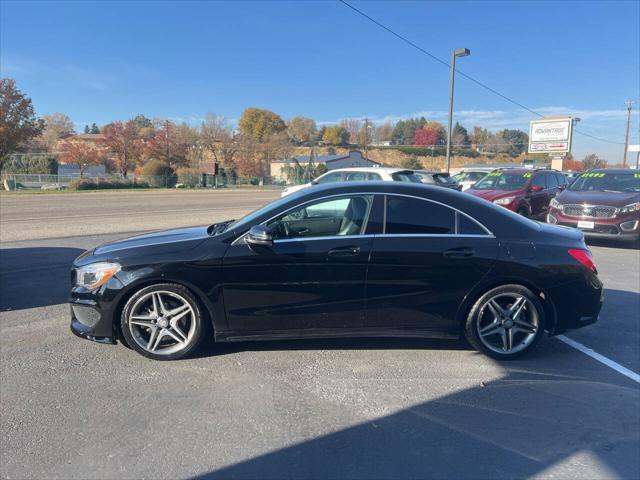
163, 322
505, 322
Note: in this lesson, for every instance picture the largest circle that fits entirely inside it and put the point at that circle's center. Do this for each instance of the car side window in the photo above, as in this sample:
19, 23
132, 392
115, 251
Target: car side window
329, 217
539, 180
407, 215
356, 177
562, 179
466, 226
552, 180
374, 177
331, 177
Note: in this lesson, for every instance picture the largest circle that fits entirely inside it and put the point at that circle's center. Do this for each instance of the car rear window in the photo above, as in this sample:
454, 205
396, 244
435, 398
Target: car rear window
408, 177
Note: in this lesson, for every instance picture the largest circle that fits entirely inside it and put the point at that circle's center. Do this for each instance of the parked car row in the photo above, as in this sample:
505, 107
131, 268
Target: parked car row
603, 203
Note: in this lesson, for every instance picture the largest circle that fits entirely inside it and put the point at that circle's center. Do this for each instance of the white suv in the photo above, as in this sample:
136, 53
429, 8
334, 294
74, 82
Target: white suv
364, 174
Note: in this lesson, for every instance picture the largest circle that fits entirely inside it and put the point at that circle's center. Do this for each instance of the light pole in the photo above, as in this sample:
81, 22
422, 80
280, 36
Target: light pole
629, 105
458, 52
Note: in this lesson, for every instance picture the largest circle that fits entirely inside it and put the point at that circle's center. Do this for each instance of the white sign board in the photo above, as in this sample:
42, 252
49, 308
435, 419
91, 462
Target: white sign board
634, 148
550, 135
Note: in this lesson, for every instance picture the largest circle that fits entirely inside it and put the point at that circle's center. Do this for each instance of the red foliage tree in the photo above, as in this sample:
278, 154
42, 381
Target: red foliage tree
123, 140
166, 146
573, 165
83, 154
427, 135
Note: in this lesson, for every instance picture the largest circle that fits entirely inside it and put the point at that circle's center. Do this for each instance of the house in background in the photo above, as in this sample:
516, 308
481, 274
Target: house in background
73, 169
332, 162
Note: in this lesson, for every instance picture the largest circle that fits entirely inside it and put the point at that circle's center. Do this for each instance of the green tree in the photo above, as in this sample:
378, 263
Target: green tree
516, 141
158, 174
259, 124
142, 122
459, 136
18, 122
94, 129
86, 129
404, 131
335, 135
412, 162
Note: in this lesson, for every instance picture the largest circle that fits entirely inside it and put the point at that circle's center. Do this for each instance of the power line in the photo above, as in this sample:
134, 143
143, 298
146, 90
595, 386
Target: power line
468, 77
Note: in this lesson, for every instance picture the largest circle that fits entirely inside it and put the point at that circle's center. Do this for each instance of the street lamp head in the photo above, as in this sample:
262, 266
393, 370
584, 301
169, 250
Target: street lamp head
462, 52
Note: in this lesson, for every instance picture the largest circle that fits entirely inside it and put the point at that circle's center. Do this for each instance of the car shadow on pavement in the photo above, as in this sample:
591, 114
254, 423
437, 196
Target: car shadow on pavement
362, 343
528, 422
35, 276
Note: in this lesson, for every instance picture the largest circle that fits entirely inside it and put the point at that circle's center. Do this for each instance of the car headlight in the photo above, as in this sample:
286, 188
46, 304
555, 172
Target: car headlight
554, 203
504, 201
634, 207
95, 274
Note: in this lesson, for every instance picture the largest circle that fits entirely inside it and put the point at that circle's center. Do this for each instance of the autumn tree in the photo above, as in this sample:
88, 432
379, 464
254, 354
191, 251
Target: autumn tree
430, 134
382, 133
122, 140
404, 132
57, 126
83, 154
259, 124
335, 135
18, 123
164, 145
302, 129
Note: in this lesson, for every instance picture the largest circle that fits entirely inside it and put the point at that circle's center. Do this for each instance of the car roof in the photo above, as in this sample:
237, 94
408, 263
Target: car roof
371, 169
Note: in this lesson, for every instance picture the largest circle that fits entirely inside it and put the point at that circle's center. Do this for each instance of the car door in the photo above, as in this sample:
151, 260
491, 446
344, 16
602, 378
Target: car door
313, 276
537, 200
427, 259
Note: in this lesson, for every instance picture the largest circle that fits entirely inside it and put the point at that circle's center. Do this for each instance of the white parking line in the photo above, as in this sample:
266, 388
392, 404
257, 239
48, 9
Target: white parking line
601, 358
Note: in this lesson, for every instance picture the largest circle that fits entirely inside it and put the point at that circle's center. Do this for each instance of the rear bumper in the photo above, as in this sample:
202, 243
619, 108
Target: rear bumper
577, 304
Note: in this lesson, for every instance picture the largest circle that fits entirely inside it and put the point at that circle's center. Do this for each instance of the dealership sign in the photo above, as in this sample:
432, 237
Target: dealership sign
551, 135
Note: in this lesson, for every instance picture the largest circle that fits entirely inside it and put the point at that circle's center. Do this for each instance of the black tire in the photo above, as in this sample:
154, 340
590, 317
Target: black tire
198, 317
472, 326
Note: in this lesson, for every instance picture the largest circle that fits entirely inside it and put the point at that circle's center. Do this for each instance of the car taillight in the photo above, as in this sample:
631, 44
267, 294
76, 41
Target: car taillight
585, 258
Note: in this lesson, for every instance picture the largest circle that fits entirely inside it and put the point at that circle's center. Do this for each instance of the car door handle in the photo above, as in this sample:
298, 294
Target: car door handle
459, 252
344, 252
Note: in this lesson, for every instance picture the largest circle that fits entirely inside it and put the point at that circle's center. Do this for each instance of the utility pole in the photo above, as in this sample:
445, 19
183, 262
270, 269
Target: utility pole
629, 104
460, 52
366, 135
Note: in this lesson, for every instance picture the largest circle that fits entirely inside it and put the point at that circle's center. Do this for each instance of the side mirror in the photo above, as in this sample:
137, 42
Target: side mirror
536, 188
314, 182
260, 235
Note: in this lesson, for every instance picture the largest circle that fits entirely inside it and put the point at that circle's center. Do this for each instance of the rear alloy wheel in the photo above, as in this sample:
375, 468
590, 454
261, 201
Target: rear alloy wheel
163, 322
505, 322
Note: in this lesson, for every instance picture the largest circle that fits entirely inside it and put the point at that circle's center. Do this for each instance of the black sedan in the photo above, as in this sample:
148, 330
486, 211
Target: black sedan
341, 260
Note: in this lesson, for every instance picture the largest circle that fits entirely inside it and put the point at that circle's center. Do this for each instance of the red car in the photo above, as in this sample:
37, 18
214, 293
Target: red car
602, 203
525, 191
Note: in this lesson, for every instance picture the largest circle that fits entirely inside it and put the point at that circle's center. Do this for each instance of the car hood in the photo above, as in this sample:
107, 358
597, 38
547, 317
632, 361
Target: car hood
492, 195
611, 199
166, 241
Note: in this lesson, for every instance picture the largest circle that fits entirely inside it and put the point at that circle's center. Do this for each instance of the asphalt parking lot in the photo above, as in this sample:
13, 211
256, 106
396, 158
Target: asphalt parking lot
364, 408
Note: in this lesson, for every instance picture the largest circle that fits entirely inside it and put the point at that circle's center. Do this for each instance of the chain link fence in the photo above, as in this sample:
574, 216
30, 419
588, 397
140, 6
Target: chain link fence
44, 182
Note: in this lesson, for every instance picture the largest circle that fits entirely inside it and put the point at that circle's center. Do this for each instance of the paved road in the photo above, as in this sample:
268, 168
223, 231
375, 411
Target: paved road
374, 408
28, 217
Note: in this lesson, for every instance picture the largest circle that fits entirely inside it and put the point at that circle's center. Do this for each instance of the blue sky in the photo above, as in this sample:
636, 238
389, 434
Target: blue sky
101, 61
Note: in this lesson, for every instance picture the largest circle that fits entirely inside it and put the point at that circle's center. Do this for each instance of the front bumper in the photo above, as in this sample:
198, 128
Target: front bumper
622, 227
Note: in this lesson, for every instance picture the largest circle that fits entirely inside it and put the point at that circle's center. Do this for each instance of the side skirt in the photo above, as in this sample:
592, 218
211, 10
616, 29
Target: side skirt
332, 333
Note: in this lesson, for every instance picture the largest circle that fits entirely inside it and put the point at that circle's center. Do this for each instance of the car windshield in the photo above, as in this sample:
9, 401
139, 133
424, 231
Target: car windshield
250, 217
607, 182
503, 181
